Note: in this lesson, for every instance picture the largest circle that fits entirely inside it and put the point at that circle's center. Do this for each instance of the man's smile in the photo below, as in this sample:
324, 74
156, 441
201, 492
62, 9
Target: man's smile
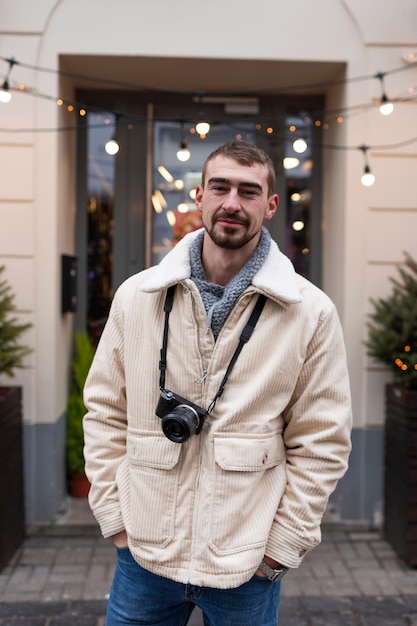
230, 220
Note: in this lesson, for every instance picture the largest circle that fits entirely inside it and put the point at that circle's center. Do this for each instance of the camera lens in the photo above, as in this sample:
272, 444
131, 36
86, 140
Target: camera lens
180, 423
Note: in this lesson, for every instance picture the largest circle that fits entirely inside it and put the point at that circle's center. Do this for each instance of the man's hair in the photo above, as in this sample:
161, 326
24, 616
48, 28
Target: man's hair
245, 154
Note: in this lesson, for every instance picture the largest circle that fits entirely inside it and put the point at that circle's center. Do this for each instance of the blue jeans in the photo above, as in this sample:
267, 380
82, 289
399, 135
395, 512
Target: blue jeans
142, 598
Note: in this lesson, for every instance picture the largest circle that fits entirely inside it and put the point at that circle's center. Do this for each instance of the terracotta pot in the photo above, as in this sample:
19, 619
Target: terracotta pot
79, 486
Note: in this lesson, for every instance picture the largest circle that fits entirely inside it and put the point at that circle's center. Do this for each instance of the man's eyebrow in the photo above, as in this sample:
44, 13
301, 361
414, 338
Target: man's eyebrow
219, 179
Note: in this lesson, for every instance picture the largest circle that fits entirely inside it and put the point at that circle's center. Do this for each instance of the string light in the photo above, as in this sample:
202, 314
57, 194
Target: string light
182, 207
289, 163
402, 364
5, 95
367, 178
298, 225
202, 128
112, 146
300, 145
183, 153
386, 107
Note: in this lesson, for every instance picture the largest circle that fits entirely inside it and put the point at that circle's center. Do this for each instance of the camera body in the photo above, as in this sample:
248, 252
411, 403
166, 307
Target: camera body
180, 418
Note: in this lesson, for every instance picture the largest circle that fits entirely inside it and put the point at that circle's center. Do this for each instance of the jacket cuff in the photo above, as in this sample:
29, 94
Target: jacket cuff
289, 549
110, 521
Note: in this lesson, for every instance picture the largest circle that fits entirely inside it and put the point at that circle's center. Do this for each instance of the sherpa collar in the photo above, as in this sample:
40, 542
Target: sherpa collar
276, 278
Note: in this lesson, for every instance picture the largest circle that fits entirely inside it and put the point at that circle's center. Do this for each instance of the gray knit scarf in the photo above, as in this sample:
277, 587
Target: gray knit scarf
218, 300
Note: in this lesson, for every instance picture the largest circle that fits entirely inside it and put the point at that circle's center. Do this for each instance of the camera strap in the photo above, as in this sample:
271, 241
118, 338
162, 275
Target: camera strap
163, 360
244, 338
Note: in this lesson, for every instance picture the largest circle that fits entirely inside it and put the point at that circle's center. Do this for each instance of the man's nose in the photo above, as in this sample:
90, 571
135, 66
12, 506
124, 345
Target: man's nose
232, 201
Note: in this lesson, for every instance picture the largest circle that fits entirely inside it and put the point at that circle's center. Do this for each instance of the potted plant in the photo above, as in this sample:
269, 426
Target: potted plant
392, 340
83, 355
12, 354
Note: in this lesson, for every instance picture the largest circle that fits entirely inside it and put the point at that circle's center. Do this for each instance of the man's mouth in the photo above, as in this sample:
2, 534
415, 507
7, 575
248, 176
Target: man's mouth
230, 221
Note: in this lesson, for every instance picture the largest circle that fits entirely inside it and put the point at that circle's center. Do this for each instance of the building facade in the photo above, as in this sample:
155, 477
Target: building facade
145, 73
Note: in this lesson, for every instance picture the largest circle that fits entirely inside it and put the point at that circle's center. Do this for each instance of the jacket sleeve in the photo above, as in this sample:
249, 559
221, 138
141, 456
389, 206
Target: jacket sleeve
105, 424
317, 438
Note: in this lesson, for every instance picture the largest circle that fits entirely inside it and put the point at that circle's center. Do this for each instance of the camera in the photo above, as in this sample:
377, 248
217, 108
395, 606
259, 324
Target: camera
180, 418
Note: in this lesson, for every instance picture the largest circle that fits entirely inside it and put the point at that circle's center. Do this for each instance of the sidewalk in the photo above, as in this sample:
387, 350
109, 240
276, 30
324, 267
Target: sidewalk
61, 576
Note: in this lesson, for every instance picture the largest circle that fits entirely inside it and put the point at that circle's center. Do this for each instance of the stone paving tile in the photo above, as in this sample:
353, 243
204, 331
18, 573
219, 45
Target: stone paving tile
367, 583
34, 556
337, 588
381, 604
37, 578
73, 555
296, 619
72, 591
336, 619
68, 573
351, 579
290, 588
104, 554
411, 601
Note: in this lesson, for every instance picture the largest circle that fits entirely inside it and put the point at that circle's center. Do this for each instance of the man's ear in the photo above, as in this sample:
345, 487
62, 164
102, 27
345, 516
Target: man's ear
273, 203
199, 197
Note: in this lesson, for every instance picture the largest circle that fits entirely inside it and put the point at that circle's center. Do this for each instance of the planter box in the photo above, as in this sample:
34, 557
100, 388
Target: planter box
401, 472
12, 519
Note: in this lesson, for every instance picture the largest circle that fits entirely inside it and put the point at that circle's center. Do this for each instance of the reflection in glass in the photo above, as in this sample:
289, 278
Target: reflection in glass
100, 198
174, 182
298, 186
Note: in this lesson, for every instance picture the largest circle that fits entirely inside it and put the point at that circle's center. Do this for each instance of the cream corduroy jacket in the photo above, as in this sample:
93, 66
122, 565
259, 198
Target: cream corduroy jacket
257, 479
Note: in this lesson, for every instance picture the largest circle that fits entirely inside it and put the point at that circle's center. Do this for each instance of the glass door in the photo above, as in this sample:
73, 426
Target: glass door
179, 153
135, 204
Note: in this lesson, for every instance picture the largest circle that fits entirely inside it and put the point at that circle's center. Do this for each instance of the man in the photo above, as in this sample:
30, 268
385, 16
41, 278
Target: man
212, 444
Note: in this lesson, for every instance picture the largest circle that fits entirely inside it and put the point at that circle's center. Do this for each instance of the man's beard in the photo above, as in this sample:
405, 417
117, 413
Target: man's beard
228, 238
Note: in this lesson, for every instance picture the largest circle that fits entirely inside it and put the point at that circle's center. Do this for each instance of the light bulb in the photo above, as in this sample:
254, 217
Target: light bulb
386, 107
5, 95
367, 178
298, 225
202, 128
182, 207
299, 145
290, 163
183, 153
112, 147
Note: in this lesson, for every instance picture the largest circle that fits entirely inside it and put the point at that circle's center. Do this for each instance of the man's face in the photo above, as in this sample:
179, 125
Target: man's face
234, 202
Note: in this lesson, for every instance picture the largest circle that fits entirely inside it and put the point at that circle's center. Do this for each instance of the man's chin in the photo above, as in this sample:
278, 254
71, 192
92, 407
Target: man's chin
228, 240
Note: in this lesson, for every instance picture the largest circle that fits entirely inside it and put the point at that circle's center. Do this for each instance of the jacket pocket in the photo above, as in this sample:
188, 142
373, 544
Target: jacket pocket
249, 480
153, 488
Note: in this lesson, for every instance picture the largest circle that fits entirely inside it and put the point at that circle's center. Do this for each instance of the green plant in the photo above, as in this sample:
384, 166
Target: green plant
392, 337
11, 352
83, 356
